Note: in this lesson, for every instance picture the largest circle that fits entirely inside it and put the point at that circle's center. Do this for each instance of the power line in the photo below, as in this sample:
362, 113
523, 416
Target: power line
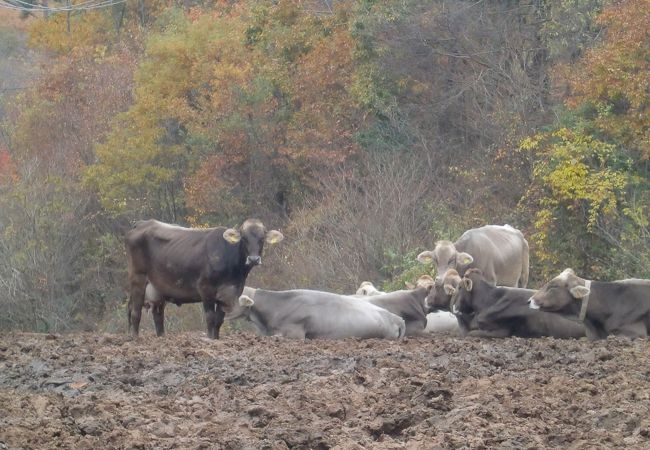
20, 5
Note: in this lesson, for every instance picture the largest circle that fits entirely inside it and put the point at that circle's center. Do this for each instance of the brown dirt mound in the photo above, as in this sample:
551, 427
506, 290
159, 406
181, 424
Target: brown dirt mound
248, 392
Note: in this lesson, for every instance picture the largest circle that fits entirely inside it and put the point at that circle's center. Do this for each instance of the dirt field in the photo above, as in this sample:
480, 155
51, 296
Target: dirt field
248, 392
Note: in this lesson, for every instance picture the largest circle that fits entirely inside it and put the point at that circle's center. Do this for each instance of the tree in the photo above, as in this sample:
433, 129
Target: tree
590, 193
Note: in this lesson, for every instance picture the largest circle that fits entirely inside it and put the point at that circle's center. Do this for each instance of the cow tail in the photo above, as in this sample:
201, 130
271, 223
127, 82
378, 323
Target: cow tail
523, 280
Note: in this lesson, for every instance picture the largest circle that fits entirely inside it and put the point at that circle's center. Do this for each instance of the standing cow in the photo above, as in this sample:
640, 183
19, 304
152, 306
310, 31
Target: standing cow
500, 252
189, 265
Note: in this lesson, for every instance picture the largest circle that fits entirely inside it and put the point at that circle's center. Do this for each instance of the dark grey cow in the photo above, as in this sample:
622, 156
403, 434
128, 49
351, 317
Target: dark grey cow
503, 311
500, 252
616, 307
188, 265
408, 304
305, 314
440, 298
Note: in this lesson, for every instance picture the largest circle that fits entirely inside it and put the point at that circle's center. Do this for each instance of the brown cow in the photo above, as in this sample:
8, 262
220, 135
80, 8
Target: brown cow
617, 307
189, 265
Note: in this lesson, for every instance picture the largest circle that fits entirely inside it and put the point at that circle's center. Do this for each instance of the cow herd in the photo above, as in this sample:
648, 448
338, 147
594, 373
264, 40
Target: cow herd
479, 290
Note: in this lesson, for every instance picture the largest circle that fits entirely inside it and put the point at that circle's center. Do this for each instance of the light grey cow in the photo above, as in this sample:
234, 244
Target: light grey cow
499, 251
306, 314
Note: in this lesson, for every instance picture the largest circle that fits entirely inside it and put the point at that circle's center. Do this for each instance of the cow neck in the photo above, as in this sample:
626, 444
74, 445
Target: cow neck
585, 302
420, 295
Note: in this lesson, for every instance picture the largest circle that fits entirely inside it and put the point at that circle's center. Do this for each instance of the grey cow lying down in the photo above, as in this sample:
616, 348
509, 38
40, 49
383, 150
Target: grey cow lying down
410, 304
306, 314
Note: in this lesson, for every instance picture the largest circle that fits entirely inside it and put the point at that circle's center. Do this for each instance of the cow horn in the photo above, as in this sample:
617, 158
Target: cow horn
274, 237
232, 236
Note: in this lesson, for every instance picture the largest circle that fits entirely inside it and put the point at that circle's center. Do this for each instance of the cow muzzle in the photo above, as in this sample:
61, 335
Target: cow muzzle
253, 260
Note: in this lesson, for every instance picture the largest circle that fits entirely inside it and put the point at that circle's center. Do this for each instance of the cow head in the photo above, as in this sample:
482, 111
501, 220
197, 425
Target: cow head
462, 303
441, 291
423, 282
560, 294
251, 236
444, 257
367, 288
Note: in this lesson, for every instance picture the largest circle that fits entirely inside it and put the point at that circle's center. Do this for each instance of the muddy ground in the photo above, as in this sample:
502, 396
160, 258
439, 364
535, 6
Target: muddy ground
104, 391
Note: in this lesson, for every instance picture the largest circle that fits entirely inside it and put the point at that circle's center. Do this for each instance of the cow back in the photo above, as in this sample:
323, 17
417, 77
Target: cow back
498, 250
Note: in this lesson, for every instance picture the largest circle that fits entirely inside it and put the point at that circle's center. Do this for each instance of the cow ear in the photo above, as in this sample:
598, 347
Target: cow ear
232, 236
449, 289
426, 257
246, 301
465, 259
409, 285
468, 284
579, 291
274, 237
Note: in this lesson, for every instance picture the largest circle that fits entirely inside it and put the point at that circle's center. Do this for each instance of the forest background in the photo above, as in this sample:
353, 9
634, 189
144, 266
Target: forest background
364, 130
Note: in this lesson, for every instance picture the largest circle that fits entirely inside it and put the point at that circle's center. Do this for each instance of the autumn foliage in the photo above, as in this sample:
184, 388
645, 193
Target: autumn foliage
365, 129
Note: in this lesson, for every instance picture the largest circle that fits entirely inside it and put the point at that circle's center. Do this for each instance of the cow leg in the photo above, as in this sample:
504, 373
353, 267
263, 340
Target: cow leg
463, 325
138, 283
158, 312
498, 333
594, 331
214, 316
293, 332
631, 330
